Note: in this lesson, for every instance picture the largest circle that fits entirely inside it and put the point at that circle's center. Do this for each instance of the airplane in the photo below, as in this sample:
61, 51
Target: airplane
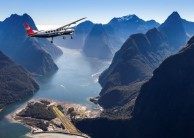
61, 31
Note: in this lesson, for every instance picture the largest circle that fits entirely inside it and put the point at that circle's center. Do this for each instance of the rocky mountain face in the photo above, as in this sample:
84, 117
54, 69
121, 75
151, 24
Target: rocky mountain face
15, 83
163, 109
97, 44
140, 55
119, 101
174, 26
114, 34
165, 106
33, 54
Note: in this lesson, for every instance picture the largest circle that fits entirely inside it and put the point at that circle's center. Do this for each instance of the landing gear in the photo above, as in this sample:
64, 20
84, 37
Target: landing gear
72, 34
52, 40
64, 37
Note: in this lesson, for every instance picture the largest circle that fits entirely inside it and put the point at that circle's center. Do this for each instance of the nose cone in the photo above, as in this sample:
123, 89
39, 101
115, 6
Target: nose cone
72, 30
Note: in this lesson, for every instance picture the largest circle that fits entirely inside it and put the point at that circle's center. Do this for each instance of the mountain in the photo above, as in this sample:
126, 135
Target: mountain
97, 44
81, 32
174, 26
15, 83
119, 29
31, 53
165, 106
131, 24
118, 102
134, 62
139, 56
114, 34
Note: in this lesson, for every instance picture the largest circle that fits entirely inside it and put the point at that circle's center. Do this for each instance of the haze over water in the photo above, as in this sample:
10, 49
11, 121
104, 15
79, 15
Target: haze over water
74, 82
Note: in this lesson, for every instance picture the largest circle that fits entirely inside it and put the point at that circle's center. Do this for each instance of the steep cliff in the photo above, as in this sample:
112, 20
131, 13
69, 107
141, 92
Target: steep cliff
15, 83
31, 53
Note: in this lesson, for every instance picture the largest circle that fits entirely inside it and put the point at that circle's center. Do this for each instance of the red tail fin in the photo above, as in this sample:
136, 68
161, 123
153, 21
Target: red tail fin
28, 29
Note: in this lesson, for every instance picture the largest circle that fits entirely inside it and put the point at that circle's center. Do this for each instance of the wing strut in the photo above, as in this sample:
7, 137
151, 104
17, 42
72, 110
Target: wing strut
69, 24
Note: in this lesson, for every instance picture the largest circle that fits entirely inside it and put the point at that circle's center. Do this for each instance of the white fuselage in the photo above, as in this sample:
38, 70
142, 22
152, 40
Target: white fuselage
53, 33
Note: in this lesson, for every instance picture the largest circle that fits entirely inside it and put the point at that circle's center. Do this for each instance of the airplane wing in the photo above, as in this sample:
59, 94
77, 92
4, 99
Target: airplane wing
69, 24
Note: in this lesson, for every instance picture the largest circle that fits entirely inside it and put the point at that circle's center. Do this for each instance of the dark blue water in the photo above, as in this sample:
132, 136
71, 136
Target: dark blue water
75, 81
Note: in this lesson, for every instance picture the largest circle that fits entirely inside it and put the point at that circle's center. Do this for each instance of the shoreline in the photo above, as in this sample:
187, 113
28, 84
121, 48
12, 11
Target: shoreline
10, 117
54, 135
81, 111
93, 100
59, 132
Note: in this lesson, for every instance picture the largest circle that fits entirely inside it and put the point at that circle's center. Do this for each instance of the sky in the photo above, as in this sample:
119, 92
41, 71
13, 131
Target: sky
52, 13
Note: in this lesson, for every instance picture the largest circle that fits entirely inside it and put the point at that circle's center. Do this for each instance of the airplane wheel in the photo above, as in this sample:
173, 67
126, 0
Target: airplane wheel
51, 41
71, 37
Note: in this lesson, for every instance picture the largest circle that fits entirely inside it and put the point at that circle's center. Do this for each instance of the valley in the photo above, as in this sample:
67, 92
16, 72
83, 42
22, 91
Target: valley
127, 78
66, 85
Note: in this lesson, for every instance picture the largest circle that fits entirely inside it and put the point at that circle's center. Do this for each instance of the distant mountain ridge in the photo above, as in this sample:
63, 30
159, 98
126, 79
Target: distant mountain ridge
174, 24
116, 32
32, 53
139, 56
131, 24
